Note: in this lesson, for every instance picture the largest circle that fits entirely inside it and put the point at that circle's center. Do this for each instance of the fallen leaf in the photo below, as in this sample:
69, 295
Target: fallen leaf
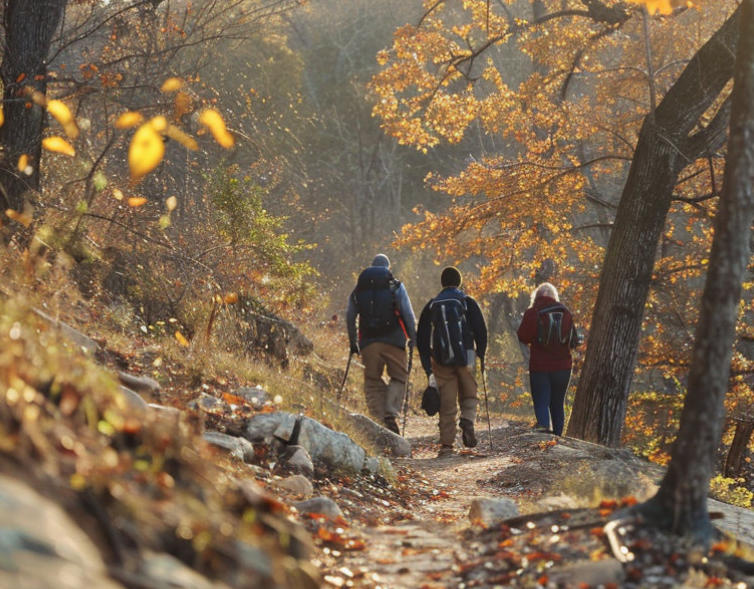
58, 145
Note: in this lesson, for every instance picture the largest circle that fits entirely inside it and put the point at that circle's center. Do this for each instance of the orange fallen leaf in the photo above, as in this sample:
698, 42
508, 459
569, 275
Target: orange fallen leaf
58, 145
136, 201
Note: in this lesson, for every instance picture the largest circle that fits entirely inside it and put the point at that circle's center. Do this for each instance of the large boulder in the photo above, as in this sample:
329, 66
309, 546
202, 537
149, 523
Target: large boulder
334, 449
41, 546
239, 448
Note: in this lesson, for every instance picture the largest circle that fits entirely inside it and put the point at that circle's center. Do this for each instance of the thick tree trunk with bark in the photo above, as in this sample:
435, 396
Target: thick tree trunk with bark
29, 29
682, 497
665, 146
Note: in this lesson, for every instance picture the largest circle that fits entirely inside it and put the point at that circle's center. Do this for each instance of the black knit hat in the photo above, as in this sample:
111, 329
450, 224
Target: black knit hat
450, 277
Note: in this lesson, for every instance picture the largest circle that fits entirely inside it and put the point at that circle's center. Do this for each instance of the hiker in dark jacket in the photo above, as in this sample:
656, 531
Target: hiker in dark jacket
453, 373
548, 328
386, 324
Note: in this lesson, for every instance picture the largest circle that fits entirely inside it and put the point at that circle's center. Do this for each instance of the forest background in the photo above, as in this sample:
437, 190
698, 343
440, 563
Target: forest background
353, 133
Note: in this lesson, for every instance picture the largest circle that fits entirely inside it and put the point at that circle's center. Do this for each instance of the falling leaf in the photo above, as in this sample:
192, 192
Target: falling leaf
145, 152
171, 85
128, 119
23, 162
58, 145
2, 116
164, 221
181, 339
62, 114
117, 194
136, 201
183, 138
214, 122
171, 202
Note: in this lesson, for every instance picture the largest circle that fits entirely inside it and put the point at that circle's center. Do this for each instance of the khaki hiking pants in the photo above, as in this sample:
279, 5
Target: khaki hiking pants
384, 399
457, 386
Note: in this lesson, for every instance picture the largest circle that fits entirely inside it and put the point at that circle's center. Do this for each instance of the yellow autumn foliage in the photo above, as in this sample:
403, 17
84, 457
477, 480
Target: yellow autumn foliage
58, 145
214, 122
145, 152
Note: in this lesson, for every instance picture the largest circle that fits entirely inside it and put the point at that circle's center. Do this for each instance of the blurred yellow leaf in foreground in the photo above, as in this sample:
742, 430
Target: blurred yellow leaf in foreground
215, 123
145, 152
58, 145
181, 339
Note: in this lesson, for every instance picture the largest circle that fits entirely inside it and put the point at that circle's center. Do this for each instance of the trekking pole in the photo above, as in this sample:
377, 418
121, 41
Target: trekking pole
487, 407
408, 370
345, 376
405, 390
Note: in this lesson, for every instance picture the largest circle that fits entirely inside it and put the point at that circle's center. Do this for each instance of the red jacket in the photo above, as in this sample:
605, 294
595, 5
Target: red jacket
545, 358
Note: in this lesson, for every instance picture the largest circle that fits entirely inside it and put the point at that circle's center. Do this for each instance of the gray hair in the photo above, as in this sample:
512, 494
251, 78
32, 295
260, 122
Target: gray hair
544, 290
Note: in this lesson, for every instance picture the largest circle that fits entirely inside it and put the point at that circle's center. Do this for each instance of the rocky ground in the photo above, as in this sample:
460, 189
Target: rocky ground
212, 485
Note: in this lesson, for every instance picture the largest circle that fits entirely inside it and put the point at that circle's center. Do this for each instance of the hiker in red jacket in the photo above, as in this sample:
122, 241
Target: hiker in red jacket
548, 328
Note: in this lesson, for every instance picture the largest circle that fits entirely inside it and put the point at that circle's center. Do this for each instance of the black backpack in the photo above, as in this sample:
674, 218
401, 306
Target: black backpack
448, 314
552, 329
374, 297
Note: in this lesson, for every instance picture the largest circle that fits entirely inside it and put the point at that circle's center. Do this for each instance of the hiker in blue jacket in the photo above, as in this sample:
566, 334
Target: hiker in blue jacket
452, 333
386, 325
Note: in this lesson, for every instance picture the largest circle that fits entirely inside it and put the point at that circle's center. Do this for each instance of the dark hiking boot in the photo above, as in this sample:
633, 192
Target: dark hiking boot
467, 432
542, 429
392, 424
445, 451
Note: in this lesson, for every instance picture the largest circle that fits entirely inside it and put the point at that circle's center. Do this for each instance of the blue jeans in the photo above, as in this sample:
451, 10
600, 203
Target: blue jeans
548, 391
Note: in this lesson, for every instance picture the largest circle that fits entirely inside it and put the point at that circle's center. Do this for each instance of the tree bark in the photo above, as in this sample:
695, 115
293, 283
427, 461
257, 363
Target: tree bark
735, 458
665, 146
682, 496
29, 29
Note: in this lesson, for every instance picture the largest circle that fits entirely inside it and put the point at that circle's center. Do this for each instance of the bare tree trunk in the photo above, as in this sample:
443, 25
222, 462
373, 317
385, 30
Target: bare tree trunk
735, 458
681, 501
664, 148
29, 29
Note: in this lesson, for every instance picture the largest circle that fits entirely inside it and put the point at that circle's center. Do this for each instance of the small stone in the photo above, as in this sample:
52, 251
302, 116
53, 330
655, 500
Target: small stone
323, 505
296, 483
489, 511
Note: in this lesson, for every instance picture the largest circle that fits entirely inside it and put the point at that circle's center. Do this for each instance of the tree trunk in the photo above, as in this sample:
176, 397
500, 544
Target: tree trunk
734, 460
29, 28
682, 497
664, 148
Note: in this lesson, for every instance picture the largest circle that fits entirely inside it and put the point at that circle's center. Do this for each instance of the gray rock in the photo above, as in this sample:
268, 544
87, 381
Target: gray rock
323, 505
592, 573
41, 546
491, 511
380, 436
167, 571
334, 449
163, 411
141, 384
239, 448
134, 399
555, 502
263, 426
299, 460
256, 396
86, 343
567, 453
209, 403
296, 483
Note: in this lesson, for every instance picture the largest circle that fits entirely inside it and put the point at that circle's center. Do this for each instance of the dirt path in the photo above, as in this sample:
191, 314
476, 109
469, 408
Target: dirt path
423, 546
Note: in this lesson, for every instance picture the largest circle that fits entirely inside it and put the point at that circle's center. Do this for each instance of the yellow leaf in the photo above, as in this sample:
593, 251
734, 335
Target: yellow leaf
181, 339
128, 119
58, 145
159, 123
145, 152
214, 122
171, 85
24, 218
171, 203
183, 138
2, 116
230, 298
182, 104
136, 201
117, 194
23, 162
62, 114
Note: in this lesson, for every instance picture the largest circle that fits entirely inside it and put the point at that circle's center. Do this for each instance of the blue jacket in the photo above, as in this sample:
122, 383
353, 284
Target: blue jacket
396, 337
476, 339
